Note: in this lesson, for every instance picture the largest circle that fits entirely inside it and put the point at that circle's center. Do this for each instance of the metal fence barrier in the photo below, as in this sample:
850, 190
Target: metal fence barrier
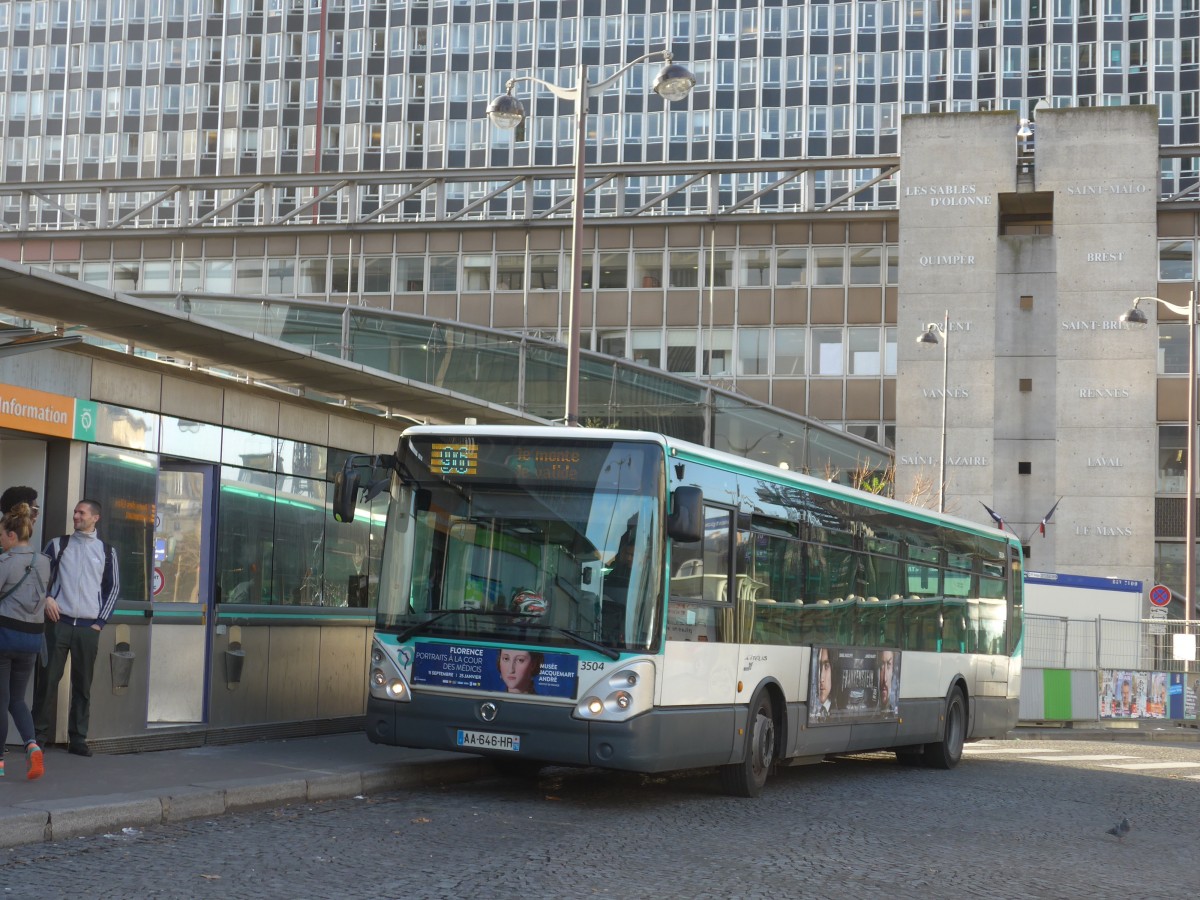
1076, 670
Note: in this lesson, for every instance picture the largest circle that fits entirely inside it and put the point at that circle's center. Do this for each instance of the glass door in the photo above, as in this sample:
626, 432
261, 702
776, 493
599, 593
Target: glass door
181, 594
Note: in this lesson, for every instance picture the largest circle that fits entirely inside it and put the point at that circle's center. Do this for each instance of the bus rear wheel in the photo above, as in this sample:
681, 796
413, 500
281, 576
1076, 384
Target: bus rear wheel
946, 753
746, 778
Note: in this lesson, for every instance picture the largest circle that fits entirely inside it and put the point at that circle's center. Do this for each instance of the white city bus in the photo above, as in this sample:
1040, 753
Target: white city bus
624, 600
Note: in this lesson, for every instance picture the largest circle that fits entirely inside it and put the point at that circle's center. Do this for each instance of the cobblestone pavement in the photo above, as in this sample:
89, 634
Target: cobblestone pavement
1016, 819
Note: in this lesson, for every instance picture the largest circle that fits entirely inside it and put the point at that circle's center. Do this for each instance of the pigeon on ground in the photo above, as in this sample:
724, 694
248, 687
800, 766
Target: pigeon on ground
1121, 829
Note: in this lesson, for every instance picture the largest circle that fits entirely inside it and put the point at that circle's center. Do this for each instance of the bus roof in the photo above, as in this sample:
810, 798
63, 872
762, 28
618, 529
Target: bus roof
728, 461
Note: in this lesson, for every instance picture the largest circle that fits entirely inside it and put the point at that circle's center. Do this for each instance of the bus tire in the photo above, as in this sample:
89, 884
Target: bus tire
746, 778
946, 753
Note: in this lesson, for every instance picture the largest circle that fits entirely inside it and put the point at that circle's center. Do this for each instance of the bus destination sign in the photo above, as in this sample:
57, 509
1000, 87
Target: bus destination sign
547, 463
456, 459
550, 463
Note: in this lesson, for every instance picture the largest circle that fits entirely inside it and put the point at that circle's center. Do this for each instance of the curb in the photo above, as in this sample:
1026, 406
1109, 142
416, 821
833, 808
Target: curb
1131, 735
31, 823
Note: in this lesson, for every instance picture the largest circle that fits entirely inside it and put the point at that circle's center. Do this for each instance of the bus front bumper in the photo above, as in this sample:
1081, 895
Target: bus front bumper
656, 741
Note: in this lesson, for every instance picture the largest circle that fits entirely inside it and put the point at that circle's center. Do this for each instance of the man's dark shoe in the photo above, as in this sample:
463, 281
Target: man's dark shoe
79, 749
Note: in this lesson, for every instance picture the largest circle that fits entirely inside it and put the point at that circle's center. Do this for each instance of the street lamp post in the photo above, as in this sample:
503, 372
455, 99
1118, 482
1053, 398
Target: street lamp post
674, 82
1135, 318
935, 333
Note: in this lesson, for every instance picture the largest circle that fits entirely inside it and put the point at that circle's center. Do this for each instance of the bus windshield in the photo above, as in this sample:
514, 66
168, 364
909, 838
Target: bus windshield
555, 543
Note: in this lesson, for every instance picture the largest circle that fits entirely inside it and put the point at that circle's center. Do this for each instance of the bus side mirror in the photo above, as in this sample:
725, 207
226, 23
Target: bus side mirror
686, 522
345, 493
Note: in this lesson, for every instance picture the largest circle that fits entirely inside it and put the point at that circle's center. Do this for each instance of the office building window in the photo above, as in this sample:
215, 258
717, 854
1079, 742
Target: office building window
1176, 260
866, 265
828, 265
681, 350
377, 275
544, 271
443, 273
790, 351
791, 266
647, 347
1172, 459
754, 267
828, 346
510, 272
1172, 348
648, 268
753, 350
717, 346
864, 351
410, 274
477, 273
685, 269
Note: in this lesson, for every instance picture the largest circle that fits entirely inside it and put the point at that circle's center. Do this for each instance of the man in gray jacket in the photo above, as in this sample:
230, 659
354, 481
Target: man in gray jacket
85, 582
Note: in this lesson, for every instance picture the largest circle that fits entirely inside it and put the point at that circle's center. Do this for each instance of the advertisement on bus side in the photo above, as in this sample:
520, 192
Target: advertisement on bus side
501, 669
853, 684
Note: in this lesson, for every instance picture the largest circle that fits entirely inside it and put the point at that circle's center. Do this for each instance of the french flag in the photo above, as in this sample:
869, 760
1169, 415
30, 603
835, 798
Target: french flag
1048, 516
995, 515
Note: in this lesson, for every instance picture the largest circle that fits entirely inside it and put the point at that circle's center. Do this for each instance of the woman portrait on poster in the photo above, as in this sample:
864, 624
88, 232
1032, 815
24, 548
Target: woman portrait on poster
519, 670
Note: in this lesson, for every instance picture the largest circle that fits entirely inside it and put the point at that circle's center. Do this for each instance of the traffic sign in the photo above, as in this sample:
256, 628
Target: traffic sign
1160, 595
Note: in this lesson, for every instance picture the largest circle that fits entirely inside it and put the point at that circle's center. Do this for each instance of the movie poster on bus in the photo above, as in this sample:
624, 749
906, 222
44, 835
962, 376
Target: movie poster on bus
510, 670
854, 684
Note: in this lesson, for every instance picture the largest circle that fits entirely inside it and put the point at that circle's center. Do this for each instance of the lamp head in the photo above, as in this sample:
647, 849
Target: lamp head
929, 335
506, 111
1024, 131
1135, 318
674, 82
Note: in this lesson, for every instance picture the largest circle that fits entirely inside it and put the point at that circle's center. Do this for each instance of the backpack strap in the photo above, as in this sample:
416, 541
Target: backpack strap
54, 561
21, 581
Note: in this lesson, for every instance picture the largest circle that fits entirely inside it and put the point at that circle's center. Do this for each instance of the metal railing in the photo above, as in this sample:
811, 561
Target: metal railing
1052, 642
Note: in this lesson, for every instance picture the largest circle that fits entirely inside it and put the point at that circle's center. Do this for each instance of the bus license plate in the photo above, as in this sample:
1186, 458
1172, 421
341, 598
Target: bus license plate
489, 741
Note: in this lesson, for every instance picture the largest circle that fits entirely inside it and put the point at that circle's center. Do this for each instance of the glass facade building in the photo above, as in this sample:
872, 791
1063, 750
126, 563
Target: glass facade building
747, 236
184, 88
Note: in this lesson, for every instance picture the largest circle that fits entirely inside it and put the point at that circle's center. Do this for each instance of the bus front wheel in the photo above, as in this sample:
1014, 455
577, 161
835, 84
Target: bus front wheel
746, 778
946, 753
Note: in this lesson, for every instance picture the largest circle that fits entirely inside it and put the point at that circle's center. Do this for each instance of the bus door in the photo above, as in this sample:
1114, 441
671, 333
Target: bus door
702, 649
181, 593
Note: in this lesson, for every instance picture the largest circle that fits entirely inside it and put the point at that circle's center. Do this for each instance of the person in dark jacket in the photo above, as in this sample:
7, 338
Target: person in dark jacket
24, 577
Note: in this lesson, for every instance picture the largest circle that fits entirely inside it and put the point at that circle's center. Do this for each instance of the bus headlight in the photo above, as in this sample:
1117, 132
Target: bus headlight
620, 695
386, 681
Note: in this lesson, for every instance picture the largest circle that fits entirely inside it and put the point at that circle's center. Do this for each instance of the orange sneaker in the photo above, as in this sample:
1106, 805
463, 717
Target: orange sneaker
36, 766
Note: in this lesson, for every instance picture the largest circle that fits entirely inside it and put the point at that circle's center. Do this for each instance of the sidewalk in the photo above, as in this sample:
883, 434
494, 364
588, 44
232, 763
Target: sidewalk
104, 793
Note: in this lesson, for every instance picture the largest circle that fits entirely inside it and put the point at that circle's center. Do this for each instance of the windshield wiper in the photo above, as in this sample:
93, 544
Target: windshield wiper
421, 626
577, 638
